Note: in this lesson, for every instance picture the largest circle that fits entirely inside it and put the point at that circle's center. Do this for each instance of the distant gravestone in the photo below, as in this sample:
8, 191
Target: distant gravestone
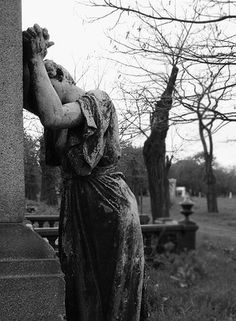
172, 188
31, 282
181, 191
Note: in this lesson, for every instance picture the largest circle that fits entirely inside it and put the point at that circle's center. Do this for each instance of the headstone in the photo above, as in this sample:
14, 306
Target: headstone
181, 191
31, 282
172, 187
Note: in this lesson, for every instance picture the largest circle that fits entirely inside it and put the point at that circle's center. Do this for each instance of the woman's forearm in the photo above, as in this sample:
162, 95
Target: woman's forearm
48, 103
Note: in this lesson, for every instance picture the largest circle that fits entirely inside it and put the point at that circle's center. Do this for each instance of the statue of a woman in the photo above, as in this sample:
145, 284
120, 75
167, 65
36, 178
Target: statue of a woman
100, 240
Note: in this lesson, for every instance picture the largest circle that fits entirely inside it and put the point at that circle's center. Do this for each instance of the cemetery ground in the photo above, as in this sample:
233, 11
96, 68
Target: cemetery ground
200, 285
195, 286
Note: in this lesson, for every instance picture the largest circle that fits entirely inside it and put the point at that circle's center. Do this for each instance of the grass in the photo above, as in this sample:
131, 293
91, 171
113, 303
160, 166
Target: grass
227, 208
200, 285
196, 286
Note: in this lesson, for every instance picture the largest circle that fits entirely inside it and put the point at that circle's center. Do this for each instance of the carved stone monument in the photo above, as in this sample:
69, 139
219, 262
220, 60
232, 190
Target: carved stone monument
31, 282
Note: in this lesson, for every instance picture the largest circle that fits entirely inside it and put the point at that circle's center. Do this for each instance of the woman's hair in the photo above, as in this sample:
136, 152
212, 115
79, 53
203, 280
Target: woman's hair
58, 72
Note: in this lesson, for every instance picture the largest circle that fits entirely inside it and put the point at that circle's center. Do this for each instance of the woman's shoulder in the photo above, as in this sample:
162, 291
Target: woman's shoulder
99, 94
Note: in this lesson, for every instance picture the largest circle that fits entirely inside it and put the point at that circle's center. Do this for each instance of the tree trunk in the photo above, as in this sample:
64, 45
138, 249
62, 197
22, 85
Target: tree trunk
154, 156
212, 199
49, 179
211, 188
154, 152
48, 185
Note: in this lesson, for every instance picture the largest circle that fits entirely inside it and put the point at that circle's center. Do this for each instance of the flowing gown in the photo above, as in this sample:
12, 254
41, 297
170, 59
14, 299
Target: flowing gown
100, 240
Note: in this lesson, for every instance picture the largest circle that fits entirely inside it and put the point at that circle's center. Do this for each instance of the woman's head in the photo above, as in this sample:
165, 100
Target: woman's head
58, 72
61, 80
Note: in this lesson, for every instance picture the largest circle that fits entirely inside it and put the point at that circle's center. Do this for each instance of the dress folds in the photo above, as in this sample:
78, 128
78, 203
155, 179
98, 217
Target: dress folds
100, 239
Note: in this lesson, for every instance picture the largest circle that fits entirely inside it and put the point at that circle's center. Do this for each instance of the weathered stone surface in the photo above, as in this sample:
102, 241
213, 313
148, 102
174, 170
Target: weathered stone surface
31, 281
11, 134
19, 242
31, 297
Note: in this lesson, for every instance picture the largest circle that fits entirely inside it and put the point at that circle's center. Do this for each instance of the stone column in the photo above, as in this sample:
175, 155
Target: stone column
31, 282
11, 134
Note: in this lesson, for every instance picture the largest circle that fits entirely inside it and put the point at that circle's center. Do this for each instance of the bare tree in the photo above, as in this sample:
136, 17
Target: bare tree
212, 11
160, 36
207, 92
154, 152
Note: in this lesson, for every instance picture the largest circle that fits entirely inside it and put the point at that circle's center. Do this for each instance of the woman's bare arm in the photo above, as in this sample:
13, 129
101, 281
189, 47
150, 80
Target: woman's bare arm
50, 109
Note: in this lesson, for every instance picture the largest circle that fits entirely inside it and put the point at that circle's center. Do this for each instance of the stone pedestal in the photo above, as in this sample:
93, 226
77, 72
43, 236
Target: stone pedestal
188, 236
31, 282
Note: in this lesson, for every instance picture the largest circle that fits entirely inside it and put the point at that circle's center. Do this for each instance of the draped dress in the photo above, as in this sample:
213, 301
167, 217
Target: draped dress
100, 239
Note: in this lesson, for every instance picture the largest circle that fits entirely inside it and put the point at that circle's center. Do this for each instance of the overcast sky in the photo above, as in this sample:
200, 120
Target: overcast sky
79, 45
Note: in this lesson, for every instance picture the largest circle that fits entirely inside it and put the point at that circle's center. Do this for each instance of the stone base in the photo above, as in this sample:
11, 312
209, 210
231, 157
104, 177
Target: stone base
31, 281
